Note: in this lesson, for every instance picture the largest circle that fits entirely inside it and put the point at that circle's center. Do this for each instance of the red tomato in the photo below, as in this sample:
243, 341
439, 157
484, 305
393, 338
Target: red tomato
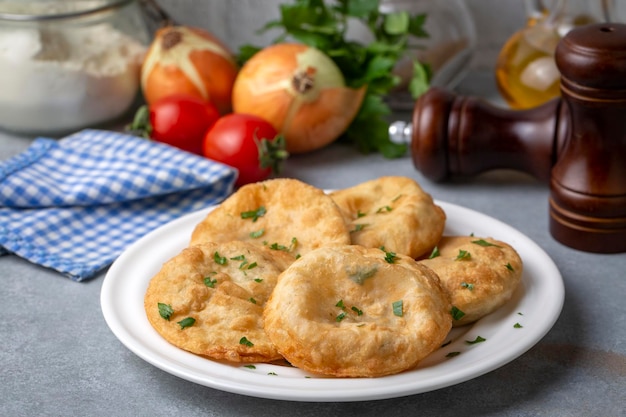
248, 143
182, 121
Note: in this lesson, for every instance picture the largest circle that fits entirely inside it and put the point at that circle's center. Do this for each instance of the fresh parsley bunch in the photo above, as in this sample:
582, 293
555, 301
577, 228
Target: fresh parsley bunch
323, 25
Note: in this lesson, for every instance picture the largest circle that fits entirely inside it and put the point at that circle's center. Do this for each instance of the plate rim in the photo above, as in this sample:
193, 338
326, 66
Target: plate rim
323, 389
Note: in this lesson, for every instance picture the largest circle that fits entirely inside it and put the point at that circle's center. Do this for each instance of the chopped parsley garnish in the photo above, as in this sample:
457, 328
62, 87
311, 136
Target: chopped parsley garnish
292, 246
517, 326
384, 209
258, 280
456, 313
509, 267
210, 282
244, 341
340, 304
362, 273
398, 308
478, 339
452, 354
390, 257
434, 253
249, 366
220, 260
252, 300
254, 214
463, 255
272, 373
357, 311
467, 285
257, 233
187, 322
340, 316
360, 214
483, 242
165, 310
358, 227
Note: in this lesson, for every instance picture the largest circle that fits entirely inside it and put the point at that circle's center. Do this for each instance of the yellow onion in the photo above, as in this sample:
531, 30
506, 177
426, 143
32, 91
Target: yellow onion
300, 91
191, 61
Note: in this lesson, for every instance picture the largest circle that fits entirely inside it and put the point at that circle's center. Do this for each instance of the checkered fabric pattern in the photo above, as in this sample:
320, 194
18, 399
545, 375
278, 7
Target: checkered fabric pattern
75, 204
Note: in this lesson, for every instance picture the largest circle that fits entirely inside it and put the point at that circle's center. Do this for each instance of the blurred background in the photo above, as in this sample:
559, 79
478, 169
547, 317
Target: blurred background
236, 22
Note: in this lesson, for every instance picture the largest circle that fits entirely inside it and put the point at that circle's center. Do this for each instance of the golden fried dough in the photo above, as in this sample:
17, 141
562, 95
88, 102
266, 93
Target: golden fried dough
480, 274
220, 291
347, 311
285, 215
391, 212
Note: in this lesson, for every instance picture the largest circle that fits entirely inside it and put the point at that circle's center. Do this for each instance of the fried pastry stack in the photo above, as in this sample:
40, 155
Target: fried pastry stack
329, 282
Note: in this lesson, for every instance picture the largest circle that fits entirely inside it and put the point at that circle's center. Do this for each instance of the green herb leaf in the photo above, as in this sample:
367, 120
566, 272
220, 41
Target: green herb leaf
452, 354
517, 326
165, 310
434, 253
390, 257
509, 267
209, 282
340, 304
254, 214
257, 234
357, 311
186, 322
483, 242
468, 286
249, 366
244, 341
340, 316
456, 313
398, 307
220, 260
463, 255
478, 339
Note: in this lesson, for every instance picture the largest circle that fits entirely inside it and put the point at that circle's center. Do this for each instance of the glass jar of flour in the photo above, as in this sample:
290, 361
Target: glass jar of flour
68, 64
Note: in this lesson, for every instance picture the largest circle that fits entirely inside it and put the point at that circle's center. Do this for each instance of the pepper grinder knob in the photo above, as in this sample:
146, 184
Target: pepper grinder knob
588, 181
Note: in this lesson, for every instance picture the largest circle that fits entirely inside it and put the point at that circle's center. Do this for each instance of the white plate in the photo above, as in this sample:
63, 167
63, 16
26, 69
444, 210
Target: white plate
535, 306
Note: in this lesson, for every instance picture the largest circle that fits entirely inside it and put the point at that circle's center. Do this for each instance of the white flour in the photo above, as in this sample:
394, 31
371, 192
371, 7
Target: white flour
55, 80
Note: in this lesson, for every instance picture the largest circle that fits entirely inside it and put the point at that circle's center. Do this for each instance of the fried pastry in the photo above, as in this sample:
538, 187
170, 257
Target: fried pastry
351, 311
209, 300
391, 212
480, 274
285, 215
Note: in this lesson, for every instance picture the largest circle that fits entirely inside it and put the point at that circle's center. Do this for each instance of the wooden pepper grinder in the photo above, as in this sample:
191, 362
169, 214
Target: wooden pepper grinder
576, 142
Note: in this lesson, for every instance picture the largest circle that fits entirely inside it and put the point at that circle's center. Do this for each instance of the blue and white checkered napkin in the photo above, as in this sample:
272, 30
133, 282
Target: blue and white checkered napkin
75, 204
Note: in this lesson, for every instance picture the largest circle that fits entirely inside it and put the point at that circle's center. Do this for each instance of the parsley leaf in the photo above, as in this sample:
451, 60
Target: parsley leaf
244, 341
220, 260
478, 339
456, 313
434, 253
186, 322
398, 308
165, 310
254, 214
483, 242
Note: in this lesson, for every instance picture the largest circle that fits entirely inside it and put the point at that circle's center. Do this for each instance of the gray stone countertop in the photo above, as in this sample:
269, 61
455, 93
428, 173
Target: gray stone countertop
59, 357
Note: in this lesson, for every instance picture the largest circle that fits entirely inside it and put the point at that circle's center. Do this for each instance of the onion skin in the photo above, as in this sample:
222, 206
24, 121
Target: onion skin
191, 61
300, 91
